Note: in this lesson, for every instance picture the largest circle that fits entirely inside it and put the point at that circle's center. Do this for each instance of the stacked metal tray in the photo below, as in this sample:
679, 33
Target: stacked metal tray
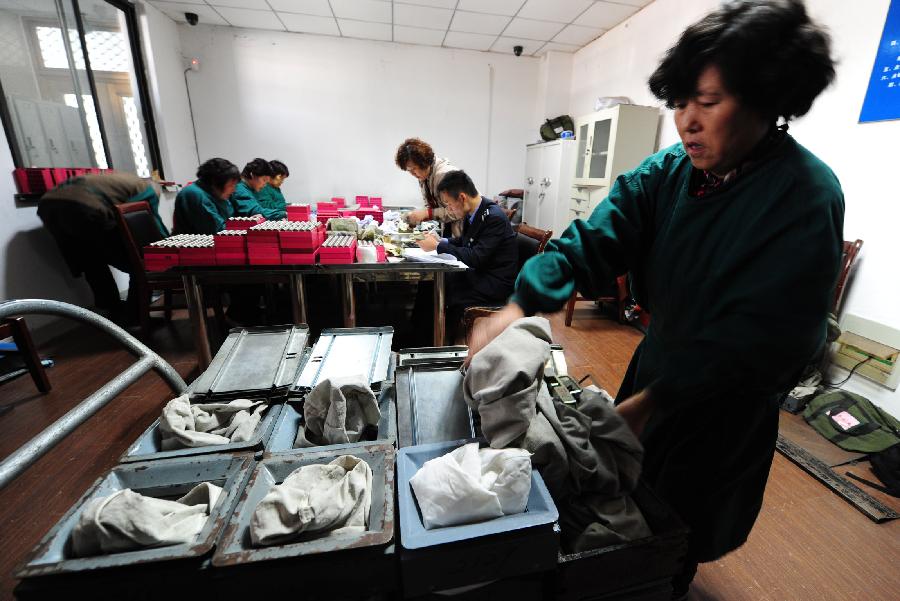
255, 363
348, 351
430, 403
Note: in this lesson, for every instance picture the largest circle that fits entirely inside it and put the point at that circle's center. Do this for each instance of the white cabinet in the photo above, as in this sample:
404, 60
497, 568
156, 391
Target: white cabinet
548, 180
613, 141
610, 143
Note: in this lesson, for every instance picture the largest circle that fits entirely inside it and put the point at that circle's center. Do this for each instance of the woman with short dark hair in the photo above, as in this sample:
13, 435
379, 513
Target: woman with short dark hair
203, 207
417, 158
246, 196
270, 197
733, 240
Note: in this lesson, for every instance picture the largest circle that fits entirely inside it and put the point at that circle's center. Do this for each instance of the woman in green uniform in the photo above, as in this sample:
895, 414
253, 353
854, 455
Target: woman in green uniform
246, 197
203, 207
733, 240
270, 197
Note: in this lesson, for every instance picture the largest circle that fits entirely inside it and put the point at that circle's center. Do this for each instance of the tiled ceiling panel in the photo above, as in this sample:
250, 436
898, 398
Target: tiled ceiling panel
487, 25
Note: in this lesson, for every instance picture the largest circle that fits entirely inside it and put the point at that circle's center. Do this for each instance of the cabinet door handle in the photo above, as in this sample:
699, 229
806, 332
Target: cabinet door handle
530, 181
547, 182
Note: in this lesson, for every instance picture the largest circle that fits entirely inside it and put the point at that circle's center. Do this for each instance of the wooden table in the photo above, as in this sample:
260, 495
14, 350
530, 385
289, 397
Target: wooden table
195, 277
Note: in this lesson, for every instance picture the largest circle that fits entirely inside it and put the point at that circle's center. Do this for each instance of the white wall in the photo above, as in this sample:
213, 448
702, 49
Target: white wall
165, 74
335, 110
862, 155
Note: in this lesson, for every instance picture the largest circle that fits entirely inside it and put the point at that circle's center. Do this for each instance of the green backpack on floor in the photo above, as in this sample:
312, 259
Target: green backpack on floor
852, 422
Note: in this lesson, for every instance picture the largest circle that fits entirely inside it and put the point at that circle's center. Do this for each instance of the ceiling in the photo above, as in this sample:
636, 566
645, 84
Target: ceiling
486, 25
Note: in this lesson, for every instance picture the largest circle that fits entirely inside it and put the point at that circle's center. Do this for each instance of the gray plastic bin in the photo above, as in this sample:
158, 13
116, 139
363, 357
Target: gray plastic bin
148, 446
290, 421
236, 548
169, 478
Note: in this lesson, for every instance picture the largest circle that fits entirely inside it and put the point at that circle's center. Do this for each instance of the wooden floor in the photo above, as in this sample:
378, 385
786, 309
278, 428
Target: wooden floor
807, 545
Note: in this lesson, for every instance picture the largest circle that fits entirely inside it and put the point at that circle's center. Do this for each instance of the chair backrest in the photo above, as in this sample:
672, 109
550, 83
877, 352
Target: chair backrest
851, 250
531, 241
137, 228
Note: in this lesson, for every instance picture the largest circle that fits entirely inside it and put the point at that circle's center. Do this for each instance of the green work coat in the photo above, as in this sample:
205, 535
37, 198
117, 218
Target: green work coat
199, 211
271, 198
246, 203
738, 284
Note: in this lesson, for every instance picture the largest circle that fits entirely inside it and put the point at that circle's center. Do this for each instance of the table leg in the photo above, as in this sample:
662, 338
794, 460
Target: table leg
298, 298
194, 296
439, 313
349, 302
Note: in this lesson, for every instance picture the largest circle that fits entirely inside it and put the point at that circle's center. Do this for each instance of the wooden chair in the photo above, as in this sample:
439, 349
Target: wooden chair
618, 299
15, 327
137, 228
851, 250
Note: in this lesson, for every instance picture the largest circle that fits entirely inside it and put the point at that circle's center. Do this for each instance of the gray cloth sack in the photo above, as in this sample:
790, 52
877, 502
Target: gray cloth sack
315, 499
127, 521
338, 411
588, 457
202, 424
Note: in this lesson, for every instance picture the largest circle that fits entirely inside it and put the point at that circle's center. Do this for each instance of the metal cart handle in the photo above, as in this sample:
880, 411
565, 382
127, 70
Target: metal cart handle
30, 452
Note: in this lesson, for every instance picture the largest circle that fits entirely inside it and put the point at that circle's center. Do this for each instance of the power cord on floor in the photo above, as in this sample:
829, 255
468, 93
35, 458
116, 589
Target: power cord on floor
845, 380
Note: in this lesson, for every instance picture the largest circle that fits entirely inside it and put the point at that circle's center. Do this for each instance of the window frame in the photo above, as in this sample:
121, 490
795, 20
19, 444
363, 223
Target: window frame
142, 93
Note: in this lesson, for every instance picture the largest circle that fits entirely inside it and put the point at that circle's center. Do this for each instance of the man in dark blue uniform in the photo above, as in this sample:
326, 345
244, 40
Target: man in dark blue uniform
487, 246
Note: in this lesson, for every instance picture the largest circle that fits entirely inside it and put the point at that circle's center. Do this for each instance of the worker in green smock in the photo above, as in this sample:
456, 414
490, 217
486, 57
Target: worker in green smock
733, 240
204, 206
246, 197
270, 197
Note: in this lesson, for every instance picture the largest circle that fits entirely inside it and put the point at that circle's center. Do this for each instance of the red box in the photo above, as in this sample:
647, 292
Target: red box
363, 201
347, 212
298, 212
300, 258
31, 180
338, 202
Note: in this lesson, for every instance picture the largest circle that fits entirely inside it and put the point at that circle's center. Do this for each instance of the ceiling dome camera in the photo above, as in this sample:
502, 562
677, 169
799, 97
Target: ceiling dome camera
192, 18
517, 50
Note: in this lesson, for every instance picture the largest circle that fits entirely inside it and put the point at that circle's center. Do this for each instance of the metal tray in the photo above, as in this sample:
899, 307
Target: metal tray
171, 479
432, 354
236, 547
430, 404
346, 351
148, 446
291, 420
259, 359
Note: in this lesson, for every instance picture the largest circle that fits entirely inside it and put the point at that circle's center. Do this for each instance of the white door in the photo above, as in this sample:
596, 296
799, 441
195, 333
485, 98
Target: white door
34, 144
551, 158
56, 136
532, 184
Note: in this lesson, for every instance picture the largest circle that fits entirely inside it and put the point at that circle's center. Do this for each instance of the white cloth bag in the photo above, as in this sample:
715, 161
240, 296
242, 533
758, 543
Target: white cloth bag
471, 485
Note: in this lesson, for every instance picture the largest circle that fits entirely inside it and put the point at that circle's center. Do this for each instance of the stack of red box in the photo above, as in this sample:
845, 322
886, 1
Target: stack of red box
326, 211
378, 245
300, 242
363, 201
262, 243
339, 202
160, 255
243, 223
375, 212
338, 249
347, 212
375, 202
197, 249
298, 212
231, 247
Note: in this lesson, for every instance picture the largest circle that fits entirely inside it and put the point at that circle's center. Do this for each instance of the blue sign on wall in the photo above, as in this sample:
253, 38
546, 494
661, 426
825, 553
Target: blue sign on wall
883, 96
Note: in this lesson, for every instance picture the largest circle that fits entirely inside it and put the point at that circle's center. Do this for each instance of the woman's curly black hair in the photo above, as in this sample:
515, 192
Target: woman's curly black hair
256, 168
218, 172
770, 54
